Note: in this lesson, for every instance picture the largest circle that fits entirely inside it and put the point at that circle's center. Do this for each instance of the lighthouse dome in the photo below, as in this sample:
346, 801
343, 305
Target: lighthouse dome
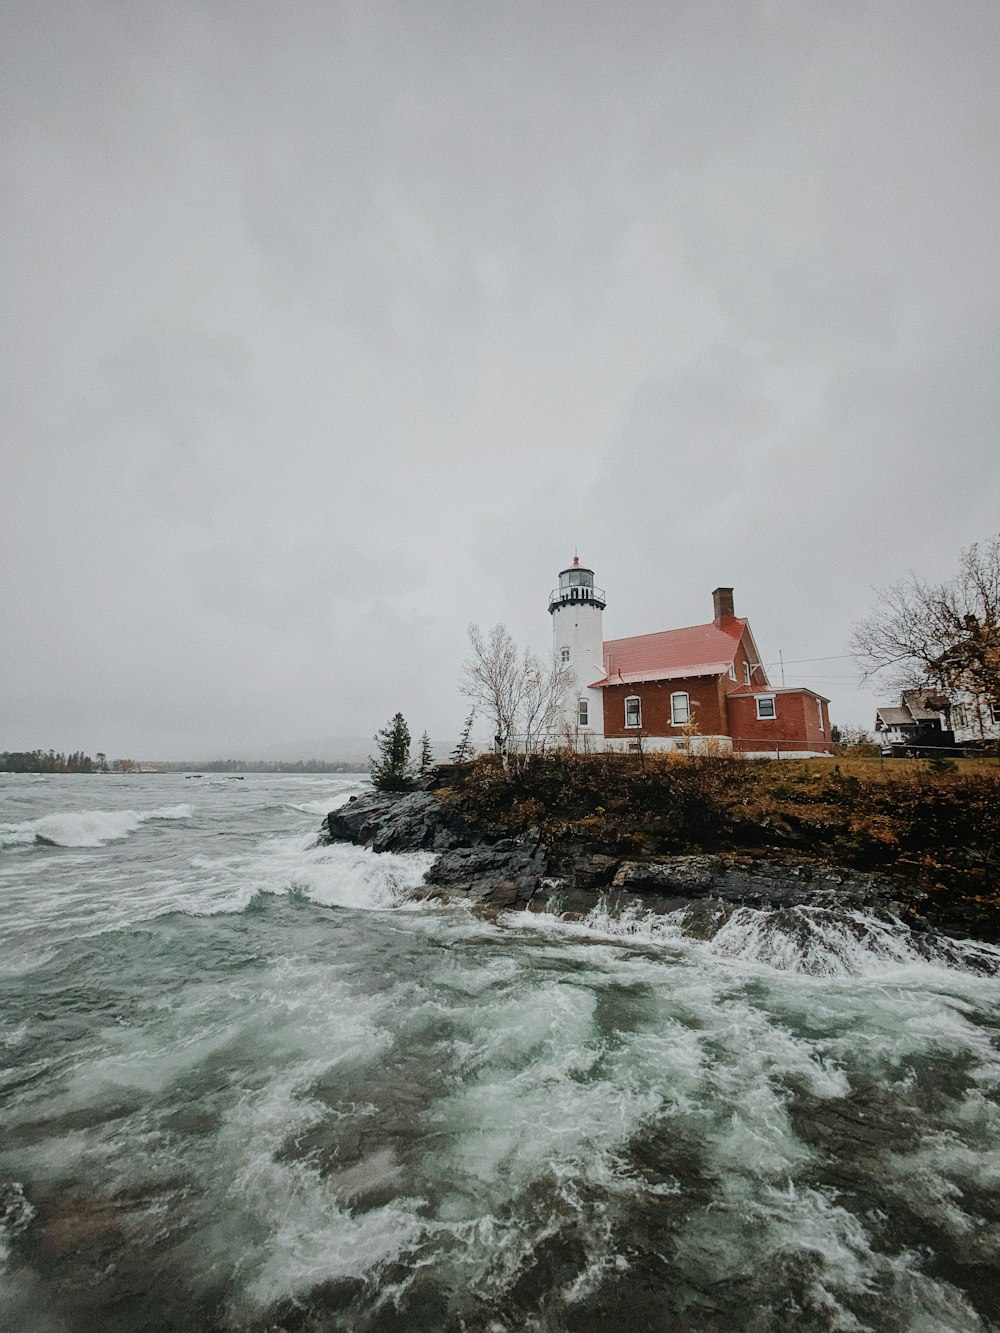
576, 584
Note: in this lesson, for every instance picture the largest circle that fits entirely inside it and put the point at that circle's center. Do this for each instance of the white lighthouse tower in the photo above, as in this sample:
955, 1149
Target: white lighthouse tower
577, 610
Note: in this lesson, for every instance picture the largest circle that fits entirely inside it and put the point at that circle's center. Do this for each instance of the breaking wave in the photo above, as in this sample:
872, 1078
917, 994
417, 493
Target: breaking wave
85, 828
339, 875
326, 804
815, 941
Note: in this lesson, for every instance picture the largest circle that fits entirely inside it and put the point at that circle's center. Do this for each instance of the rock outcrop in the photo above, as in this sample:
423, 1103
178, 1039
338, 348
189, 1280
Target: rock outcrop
498, 871
414, 821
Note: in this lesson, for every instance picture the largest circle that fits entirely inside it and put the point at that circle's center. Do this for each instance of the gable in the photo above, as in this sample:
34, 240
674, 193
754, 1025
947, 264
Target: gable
698, 650
895, 717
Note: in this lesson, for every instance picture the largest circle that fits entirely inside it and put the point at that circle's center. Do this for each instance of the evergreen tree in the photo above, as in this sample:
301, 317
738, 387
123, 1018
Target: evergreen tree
390, 770
426, 755
461, 750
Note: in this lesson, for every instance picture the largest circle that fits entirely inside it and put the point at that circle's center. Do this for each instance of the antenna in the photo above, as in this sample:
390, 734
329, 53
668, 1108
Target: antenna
782, 661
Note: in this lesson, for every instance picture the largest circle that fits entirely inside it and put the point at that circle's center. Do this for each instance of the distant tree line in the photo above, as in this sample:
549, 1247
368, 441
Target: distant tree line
45, 761
265, 766
48, 761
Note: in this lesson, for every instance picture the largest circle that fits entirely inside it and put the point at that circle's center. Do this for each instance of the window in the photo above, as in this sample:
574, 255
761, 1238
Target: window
746, 673
582, 713
732, 670
633, 711
765, 706
564, 654
995, 712
819, 713
680, 709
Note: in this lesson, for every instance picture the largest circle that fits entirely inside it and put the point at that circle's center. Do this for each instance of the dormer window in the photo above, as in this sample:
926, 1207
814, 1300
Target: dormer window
746, 673
732, 670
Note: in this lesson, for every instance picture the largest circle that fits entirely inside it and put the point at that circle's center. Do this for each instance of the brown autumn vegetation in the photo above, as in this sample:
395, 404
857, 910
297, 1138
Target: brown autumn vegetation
936, 825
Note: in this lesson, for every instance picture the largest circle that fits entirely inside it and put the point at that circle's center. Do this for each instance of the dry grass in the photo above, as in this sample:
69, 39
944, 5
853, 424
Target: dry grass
877, 769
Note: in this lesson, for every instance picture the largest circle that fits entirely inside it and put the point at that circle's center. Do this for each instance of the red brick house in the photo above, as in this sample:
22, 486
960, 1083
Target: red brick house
701, 687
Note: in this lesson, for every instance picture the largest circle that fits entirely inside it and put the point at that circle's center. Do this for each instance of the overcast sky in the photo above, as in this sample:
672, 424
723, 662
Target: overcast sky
331, 327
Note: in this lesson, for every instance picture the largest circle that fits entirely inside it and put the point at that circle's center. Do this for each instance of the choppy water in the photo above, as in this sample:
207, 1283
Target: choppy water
246, 1086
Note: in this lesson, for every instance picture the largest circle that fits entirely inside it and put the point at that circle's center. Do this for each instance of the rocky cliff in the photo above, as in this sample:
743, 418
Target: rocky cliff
496, 870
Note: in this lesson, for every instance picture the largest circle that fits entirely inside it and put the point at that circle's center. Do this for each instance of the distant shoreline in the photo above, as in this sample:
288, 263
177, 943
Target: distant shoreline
27, 762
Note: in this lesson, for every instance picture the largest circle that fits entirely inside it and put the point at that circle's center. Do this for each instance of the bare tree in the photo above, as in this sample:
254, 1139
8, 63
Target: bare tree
944, 636
494, 680
543, 699
521, 696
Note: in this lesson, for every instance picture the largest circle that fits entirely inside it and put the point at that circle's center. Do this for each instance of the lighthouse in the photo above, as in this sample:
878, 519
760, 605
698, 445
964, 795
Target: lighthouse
577, 610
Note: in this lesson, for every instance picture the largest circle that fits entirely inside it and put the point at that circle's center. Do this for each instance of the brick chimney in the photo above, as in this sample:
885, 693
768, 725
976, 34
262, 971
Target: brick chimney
722, 600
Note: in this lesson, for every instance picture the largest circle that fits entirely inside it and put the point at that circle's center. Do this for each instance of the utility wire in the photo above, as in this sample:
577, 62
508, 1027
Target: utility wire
794, 661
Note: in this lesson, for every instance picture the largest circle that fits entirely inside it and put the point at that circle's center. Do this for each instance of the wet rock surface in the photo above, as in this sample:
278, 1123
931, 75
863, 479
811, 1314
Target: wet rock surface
505, 873
397, 822
496, 870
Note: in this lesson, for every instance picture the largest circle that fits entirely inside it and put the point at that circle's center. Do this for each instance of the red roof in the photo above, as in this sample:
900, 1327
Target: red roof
699, 650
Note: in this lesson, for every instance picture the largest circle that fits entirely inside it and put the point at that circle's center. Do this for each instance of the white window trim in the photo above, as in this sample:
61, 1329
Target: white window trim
766, 717
819, 711
746, 673
732, 670
564, 655
638, 701
680, 694
582, 713
994, 712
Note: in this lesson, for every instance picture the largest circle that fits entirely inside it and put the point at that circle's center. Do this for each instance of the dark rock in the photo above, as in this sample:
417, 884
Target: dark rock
504, 895
499, 870
593, 872
491, 873
693, 875
410, 821
754, 883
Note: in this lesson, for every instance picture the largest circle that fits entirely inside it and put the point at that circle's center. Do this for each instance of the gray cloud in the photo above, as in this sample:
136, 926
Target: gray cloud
332, 327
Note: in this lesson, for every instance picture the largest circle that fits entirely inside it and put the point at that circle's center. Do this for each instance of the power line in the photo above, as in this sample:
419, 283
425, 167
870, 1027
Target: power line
821, 675
794, 661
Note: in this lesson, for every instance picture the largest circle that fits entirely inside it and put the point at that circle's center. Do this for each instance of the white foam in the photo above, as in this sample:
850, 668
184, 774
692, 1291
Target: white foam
814, 941
841, 942
338, 875
85, 828
325, 804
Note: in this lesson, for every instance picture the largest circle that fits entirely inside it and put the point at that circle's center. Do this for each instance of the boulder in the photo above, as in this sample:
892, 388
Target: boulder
410, 821
754, 883
503, 874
